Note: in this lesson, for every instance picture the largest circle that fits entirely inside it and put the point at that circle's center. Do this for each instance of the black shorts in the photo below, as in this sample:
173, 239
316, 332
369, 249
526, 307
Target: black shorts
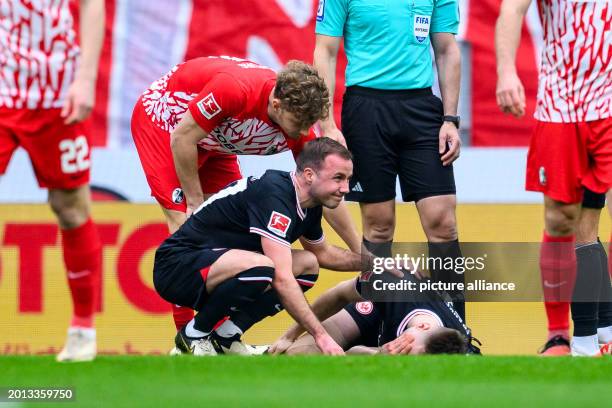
179, 275
593, 200
368, 320
395, 133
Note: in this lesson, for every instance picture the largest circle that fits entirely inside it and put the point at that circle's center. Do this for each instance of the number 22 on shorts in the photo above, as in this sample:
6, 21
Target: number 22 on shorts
75, 155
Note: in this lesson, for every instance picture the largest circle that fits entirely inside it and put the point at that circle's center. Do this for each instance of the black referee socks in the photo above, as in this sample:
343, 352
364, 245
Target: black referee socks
591, 265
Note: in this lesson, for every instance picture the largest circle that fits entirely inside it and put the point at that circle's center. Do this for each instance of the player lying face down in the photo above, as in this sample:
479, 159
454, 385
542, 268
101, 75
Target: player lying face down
233, 256
364, 327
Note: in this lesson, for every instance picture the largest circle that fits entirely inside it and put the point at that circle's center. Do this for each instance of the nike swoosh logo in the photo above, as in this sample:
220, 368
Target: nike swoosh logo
553, 285
77, 275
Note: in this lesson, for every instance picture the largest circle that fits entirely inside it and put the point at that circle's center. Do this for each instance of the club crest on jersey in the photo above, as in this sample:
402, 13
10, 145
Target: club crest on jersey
365, 308
542, 175
321, 10
209, 106
178, 196
421, 27
279, 223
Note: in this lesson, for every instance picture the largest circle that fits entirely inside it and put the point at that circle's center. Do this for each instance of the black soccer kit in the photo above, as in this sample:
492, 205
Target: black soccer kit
235, 218
382, 322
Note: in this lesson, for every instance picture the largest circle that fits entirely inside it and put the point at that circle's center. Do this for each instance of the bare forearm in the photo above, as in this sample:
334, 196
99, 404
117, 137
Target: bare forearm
449, 77
326, 305
92, 20
340, 220
325, 63
363, 350
185, 156
339, 259
508, 34
296, 305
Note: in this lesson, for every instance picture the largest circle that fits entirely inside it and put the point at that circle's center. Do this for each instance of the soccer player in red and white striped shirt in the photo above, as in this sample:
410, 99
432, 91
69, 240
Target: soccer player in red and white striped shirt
570, 153
47, 88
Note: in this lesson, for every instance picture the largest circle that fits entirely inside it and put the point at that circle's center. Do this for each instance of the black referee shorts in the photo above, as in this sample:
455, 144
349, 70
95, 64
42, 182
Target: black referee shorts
395, 133
179, 274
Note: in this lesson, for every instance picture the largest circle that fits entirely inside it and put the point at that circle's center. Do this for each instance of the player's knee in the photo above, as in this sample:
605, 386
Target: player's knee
441, 227
309, 265
560, 221
69, 211
379, 229
262, 261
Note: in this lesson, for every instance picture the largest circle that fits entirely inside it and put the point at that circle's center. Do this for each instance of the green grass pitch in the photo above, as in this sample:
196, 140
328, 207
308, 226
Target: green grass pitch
317, 381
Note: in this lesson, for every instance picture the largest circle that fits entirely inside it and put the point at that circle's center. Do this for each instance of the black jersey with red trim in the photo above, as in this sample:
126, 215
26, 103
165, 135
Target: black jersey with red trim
240, 214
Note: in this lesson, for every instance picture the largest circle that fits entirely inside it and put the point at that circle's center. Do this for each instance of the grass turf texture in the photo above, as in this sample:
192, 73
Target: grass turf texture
316, 381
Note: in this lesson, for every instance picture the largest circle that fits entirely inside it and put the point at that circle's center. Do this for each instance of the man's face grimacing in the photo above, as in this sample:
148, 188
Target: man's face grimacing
330, 183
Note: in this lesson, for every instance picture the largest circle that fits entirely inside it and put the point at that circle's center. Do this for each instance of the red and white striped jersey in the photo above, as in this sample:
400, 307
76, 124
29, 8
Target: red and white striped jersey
575, 82
228, 98
38, 53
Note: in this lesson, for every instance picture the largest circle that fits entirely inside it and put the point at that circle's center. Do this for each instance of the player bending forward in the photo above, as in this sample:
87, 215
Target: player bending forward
233, 256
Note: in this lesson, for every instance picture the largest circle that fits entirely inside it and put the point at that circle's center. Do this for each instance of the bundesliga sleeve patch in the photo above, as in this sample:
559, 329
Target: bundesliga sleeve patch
209, 106
279, 224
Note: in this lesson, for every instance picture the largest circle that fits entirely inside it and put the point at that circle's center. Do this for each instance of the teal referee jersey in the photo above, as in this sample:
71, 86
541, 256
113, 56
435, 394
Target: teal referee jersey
387, 41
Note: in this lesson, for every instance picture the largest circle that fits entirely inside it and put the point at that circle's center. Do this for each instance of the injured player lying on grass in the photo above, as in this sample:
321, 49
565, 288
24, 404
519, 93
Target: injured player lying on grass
364, 327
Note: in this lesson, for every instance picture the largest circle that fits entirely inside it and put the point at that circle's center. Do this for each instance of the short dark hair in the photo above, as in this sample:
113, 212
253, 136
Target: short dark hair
314, 153
446, 341
303, 92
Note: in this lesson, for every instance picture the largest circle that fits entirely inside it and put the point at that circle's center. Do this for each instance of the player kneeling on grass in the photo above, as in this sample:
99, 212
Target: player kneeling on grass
233, 256
359, 326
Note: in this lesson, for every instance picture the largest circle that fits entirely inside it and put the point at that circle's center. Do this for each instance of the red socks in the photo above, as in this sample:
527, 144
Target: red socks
181, 315
83, 258
558, 272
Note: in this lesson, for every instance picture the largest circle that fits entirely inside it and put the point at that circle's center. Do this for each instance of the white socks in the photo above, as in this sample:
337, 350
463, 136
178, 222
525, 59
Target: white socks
605, 334
585, 345
228, 329
191, 331
87, 332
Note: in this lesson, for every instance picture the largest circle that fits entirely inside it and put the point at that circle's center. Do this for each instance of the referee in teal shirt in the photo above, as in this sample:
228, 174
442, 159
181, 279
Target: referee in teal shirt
391, 121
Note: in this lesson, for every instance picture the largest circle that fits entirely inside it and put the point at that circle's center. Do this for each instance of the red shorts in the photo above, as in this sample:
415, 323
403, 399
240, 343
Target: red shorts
59, 153
566, 157
216, 170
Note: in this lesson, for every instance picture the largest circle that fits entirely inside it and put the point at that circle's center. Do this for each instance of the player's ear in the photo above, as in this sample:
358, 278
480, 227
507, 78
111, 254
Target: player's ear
424, 326
308, 174
276, 104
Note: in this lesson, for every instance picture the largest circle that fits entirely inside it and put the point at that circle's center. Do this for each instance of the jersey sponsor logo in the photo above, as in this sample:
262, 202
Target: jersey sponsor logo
321, 10
209, 106
178, 196
421, 27
365, 308
279, 223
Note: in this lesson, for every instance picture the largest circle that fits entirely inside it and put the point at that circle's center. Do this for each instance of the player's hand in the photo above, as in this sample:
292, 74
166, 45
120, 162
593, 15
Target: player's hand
328, 345
449, 136
369, 259
280, 346
401, 345
192, 206
510, 94
336, 135
79, 101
